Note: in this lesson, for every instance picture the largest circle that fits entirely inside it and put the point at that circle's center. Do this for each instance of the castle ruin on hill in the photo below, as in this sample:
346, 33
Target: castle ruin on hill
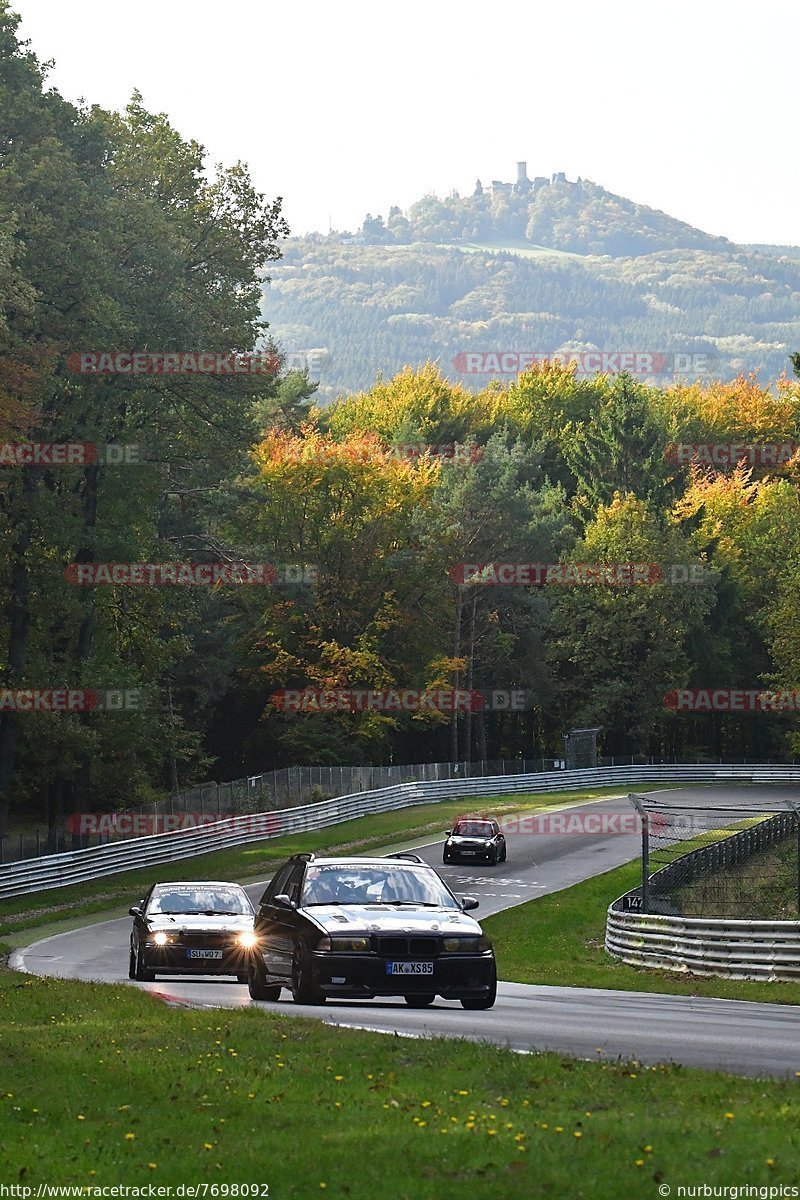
522, 184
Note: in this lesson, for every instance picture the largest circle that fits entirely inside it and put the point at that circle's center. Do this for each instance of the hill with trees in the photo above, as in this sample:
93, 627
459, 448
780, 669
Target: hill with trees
565, 268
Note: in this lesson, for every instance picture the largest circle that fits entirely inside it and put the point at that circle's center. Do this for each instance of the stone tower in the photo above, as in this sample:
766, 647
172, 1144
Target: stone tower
523, 184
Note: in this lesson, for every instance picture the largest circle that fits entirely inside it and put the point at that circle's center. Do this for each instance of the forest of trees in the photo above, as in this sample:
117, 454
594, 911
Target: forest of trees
113, 238
376, 308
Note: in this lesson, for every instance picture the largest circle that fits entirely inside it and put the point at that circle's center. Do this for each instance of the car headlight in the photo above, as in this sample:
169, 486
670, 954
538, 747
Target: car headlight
247, 939
466, 945
161, 938
343, 943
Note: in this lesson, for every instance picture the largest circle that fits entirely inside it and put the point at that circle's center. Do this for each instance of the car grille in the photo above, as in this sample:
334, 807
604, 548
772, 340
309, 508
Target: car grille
415, 947
210, 941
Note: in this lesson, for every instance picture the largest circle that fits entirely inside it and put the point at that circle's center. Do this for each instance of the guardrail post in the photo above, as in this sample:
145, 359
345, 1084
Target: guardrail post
643, 817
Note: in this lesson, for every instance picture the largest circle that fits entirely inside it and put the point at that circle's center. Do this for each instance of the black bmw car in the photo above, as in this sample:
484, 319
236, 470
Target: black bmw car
192, 929
366, 927
475, 839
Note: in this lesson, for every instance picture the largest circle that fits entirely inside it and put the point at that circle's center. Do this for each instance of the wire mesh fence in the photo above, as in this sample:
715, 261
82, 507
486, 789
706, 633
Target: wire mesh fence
733, 858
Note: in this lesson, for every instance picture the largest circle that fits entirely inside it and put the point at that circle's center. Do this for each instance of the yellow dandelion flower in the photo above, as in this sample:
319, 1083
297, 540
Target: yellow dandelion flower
130, 1137
491, 1132
208, 1145
152, 1166
338, 1078
770, 1162
81, 1117
559, 1129
577, 1133
728, 1116
426, 1103
648, 1149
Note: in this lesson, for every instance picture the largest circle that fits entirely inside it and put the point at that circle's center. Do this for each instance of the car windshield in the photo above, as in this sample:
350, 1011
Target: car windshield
216, 901
391, 884
474, 829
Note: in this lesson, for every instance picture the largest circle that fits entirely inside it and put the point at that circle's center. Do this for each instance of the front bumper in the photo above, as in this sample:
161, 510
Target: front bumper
476, 854
454, 976
174, 960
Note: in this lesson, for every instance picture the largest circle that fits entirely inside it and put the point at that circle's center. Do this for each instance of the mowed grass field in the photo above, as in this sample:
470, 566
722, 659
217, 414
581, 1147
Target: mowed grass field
104, 1085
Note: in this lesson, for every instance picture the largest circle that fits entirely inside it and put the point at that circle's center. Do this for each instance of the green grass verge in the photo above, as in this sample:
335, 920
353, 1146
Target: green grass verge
104, 1085
112, 896
559, 940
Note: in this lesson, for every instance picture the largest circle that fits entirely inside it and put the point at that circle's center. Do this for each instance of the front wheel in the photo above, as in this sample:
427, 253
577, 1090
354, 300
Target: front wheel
421, 1000
258, 987
303, 989
142, 973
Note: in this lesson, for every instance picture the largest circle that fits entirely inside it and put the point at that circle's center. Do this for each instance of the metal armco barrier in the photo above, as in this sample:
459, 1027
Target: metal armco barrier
706, 946
78, 866
718, 946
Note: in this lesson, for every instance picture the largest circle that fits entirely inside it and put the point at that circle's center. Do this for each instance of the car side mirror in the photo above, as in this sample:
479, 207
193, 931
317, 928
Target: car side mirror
283, 901
469, 902
135, 911
448, 832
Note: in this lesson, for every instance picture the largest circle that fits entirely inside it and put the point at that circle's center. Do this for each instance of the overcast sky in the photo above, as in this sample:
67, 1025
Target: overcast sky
688, 106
